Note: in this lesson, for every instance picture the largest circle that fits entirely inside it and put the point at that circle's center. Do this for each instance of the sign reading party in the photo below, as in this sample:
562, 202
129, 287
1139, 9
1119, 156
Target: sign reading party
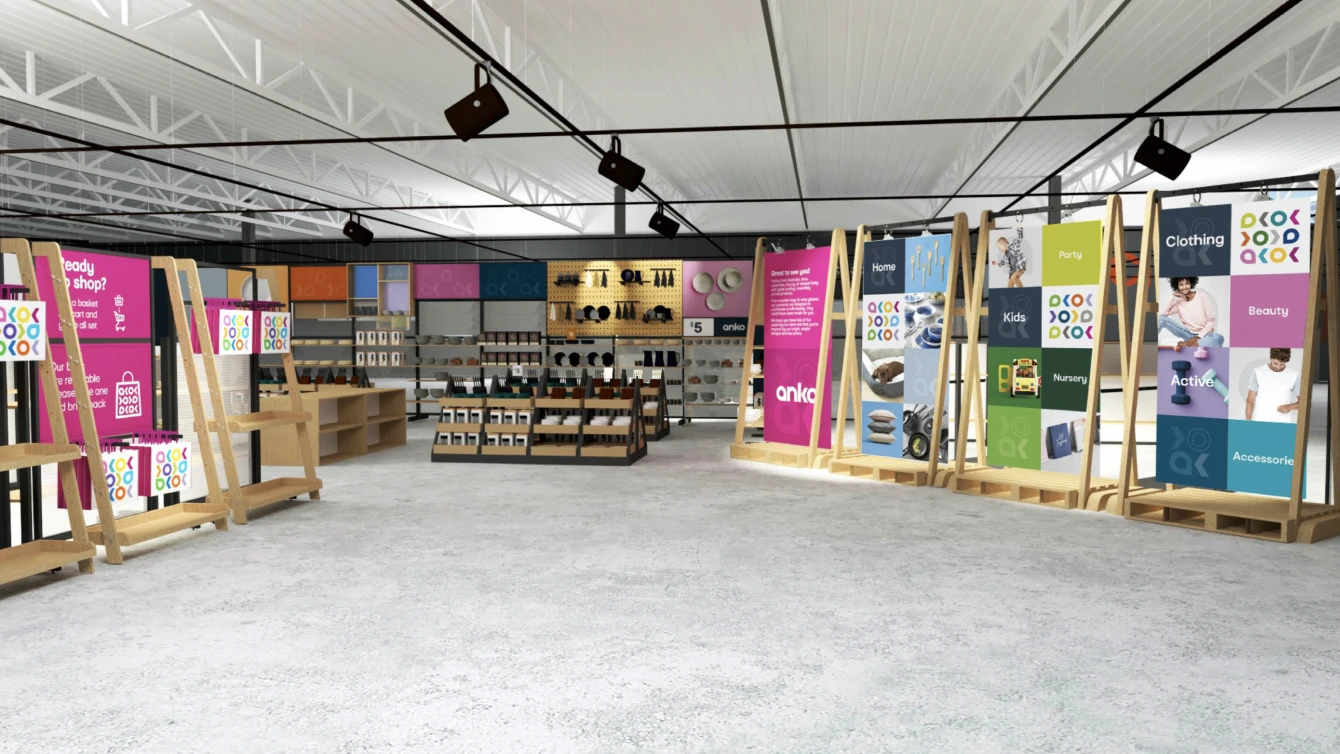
903, 284
23, 331
1231, 332
796, 289
1043, 297
109, 293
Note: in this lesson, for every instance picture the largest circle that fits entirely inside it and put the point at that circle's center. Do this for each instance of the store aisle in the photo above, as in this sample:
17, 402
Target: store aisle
686, 604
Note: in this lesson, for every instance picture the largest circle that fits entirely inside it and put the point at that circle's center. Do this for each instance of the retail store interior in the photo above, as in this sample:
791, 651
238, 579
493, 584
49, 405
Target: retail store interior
698, 376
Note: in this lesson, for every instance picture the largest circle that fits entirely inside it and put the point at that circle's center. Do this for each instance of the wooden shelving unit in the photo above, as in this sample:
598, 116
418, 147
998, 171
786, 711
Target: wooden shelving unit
39, 556
350, 423
242, 499
496, 423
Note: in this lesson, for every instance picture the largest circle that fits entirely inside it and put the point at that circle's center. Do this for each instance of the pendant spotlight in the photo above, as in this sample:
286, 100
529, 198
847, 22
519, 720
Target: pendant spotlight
479, 109
356, 232
1160, 156
661, 222
620, 169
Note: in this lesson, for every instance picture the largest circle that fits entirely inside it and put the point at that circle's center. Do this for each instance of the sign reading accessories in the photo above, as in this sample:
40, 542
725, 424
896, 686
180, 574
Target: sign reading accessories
1231, 333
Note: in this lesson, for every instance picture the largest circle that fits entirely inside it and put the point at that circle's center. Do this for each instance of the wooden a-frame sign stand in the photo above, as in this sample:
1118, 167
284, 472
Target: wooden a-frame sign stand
785, 454
1051, 488
1258, 516
42, 555
900, 470
258, 494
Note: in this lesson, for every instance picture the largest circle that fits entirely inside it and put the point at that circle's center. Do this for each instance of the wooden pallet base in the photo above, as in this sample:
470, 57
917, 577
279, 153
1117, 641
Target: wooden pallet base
896, 470
40, 556
780, 454
1240, 515
142, 527
1049, 488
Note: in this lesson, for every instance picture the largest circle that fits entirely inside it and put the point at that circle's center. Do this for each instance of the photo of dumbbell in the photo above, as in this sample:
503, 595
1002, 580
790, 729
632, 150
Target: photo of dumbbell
1180, 398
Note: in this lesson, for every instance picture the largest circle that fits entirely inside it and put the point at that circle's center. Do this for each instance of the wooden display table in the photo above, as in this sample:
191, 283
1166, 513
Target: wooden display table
357, 421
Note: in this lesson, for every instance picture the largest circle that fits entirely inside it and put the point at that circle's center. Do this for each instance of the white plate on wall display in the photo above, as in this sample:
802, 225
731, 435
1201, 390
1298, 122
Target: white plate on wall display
702, 282
729, 280
716, 301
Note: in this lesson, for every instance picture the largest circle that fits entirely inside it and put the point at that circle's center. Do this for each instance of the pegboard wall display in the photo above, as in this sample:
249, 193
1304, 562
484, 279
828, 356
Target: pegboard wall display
629, 291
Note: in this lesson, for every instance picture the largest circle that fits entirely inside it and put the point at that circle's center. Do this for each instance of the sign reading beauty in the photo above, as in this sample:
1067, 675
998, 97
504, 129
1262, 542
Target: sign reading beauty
109, 294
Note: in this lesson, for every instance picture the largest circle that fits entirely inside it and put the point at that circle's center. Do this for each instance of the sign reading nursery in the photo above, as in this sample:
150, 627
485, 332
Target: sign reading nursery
796, 288
903, 324
1043, 298
1232, 298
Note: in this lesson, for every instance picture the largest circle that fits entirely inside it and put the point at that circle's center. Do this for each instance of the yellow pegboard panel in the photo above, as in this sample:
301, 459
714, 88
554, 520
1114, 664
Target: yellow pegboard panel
643, 297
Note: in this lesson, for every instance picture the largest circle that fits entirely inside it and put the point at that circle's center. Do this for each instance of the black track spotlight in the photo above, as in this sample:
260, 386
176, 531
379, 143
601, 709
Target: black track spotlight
356, 232
620, 169
1161, 156
479, 109
661, 222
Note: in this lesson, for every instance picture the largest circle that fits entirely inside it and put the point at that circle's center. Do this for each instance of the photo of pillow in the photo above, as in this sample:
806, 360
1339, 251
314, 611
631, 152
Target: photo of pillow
884, 427
880, 415
883, 438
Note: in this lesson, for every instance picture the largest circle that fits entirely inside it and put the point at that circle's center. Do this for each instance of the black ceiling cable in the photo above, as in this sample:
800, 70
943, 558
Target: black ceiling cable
553, 114
234, 181
664, 130
770, 200
786, 114
1143, 111
156, 232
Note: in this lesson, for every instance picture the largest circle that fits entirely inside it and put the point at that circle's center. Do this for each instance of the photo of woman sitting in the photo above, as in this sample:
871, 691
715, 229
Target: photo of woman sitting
1188, 316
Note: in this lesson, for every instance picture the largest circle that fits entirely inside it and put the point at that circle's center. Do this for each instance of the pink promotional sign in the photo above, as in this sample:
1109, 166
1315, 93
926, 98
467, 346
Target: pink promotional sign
446, 281
120, 386
109, 294
795, 290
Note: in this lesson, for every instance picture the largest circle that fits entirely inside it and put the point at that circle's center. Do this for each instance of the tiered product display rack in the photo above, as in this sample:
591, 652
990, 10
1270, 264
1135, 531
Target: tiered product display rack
242, 499
485, 412
41, 555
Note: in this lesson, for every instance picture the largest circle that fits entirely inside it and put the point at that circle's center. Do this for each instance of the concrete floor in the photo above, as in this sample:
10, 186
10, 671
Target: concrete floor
688, 604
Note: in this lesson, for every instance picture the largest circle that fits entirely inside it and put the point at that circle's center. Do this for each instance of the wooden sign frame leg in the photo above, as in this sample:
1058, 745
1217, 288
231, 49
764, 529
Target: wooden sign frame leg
747, 362
42, 555
850, 387
975, 310
1149, 253
837, 257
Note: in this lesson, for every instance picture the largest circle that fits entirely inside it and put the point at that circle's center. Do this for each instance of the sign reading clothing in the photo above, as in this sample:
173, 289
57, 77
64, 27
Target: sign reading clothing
1232, 322
903, 285
796, 289
1043, 298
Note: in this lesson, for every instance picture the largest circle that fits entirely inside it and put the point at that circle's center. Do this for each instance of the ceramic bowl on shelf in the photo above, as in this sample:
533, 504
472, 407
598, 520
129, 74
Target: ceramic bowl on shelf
421, 392
708, 397
454, 340
437, 392
700, 362
711, 379
438, 340
422, 339
690, 396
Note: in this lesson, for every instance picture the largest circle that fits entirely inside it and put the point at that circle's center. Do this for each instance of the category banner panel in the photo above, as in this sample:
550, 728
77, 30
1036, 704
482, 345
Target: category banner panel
1232, 311
903, 286
109, 294
120, 386
1044, 285
796, 287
